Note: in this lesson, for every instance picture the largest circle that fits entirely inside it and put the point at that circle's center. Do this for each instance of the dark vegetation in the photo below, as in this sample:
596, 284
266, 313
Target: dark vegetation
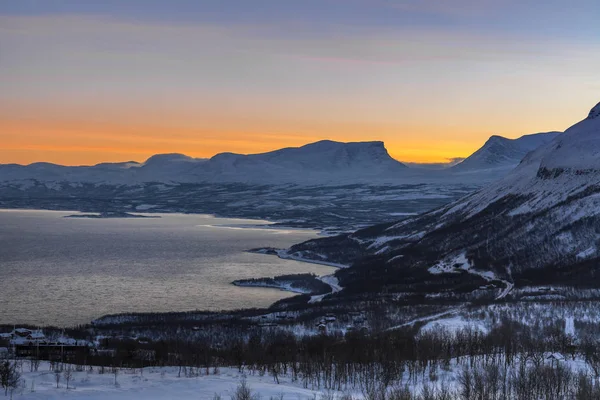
304, 283
511, 361
332, 208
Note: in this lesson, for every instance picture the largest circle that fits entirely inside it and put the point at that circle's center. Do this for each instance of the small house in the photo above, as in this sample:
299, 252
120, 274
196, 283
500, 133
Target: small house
22, 332
555, 358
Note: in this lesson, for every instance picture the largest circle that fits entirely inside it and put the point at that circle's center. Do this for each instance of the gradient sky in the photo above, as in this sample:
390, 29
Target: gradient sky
85, 81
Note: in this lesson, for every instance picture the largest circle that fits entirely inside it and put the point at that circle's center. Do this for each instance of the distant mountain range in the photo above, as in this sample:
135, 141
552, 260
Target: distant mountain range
324, 162
539, 225
320, 162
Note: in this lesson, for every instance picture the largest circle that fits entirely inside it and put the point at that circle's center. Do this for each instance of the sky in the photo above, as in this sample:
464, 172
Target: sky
87, 81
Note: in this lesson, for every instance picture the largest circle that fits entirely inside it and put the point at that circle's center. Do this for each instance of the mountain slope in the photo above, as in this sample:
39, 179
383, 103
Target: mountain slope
500, 152
538, 225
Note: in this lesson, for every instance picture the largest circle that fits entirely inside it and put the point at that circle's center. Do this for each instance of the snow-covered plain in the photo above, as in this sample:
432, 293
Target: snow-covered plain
152, 383
162, 383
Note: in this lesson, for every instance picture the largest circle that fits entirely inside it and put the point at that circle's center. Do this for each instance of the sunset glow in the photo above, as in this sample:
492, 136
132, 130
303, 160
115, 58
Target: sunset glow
83, 84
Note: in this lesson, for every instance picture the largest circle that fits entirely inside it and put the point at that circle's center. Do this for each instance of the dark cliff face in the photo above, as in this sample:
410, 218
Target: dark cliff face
594, 112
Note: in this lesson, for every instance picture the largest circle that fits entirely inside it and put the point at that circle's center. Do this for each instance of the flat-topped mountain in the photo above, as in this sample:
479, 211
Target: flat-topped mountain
319, 162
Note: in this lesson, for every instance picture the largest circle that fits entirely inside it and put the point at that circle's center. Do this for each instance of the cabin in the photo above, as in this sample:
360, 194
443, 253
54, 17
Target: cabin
21, 332
20, 336
555, 358
51, 351
36, 336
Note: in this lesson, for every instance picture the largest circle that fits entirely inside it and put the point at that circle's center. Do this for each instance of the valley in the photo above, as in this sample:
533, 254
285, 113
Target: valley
453, 279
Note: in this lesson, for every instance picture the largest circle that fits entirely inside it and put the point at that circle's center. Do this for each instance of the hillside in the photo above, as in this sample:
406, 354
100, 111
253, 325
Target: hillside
538, 225
502, 153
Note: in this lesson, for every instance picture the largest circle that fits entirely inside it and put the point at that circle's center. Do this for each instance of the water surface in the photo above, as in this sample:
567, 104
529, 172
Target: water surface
65, 271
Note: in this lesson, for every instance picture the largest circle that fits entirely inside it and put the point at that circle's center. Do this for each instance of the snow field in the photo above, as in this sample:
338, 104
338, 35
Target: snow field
152, 383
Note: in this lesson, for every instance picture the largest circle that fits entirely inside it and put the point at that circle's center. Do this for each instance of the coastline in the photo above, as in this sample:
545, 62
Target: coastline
330, 279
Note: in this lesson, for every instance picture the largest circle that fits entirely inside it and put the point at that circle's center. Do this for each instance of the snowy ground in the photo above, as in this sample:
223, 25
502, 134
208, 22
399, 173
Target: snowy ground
158, 383
153, 384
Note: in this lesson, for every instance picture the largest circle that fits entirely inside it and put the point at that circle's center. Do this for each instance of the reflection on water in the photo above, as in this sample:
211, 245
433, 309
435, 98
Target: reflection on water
65, 271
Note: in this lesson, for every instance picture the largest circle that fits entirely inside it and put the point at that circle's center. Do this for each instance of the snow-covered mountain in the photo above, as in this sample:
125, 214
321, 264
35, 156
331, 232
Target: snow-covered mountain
502, 153
324, 161
316, 163
161, 167
538, 225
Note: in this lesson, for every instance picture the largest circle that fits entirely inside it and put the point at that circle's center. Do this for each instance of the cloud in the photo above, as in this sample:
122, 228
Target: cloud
435, 166
218, 83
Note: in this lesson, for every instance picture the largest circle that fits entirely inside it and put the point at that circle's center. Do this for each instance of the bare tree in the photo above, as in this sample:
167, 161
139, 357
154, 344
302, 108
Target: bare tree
243, 392
68, 375
9, 376
34, 364
57, 373
115, 372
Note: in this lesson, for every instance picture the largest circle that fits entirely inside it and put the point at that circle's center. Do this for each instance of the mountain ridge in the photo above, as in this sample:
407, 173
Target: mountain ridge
500, 152
540, 224
322, 162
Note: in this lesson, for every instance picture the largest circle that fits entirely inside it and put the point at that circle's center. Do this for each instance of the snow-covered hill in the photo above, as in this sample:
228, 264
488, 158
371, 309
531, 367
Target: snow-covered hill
502, 153
540, 224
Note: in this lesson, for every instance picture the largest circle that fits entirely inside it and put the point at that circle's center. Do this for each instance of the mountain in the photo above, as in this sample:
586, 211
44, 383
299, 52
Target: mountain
161, 167
316, 163
539, 225
324, 161
166, 168
502, 153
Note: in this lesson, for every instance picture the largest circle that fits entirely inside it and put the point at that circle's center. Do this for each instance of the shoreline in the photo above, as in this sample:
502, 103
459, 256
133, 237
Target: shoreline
272, 224
328, 279
23, 316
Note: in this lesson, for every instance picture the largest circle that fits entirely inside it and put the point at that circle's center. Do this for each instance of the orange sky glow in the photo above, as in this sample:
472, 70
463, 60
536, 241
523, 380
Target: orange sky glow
81, 89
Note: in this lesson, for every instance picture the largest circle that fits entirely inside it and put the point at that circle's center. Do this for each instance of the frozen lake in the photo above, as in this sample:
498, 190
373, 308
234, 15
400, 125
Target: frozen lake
66, 271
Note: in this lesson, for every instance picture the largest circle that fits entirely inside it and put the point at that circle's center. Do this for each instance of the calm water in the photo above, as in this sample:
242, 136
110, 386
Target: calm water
63, 271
